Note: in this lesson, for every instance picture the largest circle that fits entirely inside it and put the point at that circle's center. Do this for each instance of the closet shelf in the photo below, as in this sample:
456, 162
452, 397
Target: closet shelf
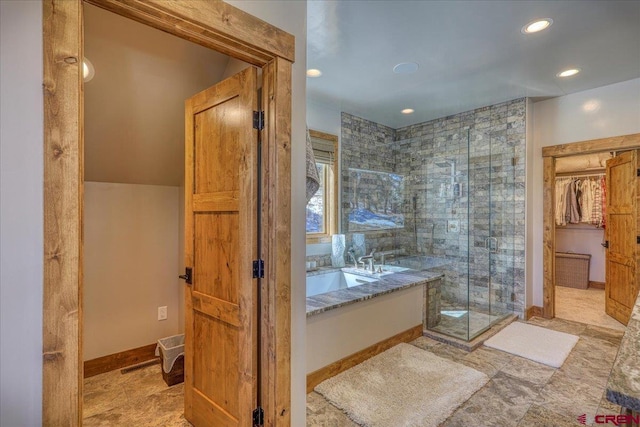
592, 174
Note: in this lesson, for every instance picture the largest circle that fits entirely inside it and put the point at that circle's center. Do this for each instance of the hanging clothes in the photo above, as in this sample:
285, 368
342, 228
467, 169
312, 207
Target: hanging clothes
572, 210
603, 191
579, 201
561, 188
587, 186
596, 212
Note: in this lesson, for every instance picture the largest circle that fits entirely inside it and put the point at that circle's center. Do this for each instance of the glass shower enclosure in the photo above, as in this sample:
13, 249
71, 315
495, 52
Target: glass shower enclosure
461, 212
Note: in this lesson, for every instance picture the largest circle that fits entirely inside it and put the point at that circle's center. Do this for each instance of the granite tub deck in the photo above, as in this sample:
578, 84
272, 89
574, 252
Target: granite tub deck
623, 387
384, 284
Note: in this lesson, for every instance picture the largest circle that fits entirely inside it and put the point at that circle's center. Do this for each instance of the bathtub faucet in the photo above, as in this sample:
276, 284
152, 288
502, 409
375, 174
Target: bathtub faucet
369, 258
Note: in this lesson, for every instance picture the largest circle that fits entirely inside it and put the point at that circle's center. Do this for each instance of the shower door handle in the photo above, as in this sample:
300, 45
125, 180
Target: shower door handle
491, 244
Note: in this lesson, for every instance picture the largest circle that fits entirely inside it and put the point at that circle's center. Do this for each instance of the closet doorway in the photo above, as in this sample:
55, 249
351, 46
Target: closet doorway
580, 192
621, 257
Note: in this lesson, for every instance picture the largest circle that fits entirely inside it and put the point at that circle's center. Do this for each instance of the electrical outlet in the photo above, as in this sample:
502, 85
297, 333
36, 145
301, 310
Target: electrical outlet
162, 313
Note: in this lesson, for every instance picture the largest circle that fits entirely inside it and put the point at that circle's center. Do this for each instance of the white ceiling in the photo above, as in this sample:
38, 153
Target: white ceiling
134, 106
471, 53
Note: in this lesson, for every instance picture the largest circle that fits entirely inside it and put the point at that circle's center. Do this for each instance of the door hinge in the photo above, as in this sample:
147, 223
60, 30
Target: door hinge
638, 240
605, 244
258, 269
258, 417
187, 277
637, 172
258, 120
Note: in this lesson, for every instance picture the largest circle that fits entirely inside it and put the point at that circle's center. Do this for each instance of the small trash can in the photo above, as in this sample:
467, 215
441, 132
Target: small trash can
171, 352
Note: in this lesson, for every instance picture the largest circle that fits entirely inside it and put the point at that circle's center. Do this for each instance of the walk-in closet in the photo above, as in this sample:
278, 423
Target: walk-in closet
580, 222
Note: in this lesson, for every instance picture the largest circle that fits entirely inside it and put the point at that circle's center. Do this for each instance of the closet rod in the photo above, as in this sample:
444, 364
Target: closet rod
577, 175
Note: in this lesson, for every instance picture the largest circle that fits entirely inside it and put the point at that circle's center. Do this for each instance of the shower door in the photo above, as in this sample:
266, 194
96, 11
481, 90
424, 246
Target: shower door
492, 228
471, 209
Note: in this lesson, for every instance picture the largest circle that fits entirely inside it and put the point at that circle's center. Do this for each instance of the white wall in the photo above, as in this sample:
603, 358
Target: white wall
529, 190
598, 113
291, 16
21, 213
323, 118
130, 266
343, 331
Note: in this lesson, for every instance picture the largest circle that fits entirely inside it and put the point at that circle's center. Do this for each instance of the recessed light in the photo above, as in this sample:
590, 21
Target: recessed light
87, 70
407, 111
406, 68
537, 25
568, 73
312, 72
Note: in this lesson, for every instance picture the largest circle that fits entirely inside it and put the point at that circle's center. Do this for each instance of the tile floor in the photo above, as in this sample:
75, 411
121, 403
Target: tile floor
584, 305
138, 398
520, 392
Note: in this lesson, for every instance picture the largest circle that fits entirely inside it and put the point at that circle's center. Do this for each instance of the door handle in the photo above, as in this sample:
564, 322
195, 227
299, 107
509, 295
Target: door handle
187, 276
492, 244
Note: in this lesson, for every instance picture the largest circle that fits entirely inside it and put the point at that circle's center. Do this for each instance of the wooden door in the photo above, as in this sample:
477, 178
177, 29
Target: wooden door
621, 288
221, 178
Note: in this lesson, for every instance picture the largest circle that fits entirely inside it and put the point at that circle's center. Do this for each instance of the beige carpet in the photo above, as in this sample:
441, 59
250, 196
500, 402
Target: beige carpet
584, 306
401, 387
535, 343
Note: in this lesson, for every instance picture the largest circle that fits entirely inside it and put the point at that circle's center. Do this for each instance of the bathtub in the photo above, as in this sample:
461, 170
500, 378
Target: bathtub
334, 280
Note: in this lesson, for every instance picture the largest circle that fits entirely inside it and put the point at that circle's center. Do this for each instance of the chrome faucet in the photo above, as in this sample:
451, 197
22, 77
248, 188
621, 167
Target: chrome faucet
369, 258
352, 255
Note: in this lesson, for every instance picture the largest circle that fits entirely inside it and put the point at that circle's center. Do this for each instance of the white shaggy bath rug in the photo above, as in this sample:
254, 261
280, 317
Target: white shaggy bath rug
535, 343
402, 387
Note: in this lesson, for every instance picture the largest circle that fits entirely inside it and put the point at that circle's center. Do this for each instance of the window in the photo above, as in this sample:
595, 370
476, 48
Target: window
322, 209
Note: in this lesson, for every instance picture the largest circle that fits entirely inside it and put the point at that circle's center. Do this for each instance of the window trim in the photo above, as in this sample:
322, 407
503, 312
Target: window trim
331, 192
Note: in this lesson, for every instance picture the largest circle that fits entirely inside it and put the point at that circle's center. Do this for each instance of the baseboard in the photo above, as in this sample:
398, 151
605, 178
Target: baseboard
316, 377
597, 285
123, 359
533, 311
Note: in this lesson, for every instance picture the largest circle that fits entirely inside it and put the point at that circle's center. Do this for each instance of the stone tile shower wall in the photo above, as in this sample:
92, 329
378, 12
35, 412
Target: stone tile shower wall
496, 153
370, 146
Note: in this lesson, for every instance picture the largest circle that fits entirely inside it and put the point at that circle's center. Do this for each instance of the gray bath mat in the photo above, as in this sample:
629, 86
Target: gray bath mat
401, 387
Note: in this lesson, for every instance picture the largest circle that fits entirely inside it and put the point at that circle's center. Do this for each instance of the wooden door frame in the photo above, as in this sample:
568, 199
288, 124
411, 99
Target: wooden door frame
550, 154
213, 24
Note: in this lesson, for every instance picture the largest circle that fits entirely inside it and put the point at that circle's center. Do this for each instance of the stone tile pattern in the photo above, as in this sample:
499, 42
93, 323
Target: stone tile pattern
137, 398
488, 145
624, 383
384, 285
521, 392
321, 260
